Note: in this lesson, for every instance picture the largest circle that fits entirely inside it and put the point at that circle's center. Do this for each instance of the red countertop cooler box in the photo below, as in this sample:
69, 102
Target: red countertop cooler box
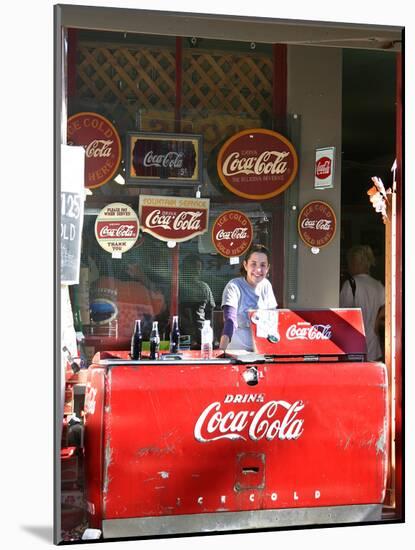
293, 437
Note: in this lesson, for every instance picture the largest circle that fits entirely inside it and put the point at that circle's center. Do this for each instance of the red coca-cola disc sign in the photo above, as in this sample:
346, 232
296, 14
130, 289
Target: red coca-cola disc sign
317, 224
232, 233
102, 146
257, 164
323, 168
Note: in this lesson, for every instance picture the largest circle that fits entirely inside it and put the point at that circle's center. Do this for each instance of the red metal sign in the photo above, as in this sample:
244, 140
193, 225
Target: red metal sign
102, 146
257, 164
323, 168
173, 218
232, 233
317, 224
116, 228
285, 332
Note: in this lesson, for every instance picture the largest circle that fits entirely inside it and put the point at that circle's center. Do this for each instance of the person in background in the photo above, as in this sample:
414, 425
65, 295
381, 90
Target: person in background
363, 291
250, 291
129, 295
196, 301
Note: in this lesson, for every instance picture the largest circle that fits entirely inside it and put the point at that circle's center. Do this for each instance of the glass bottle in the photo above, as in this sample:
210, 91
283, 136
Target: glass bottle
175, 335
136, 341
155, 341
207, 340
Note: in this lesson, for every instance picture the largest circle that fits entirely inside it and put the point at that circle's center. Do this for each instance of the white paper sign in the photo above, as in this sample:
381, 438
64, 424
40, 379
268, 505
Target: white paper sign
72, 211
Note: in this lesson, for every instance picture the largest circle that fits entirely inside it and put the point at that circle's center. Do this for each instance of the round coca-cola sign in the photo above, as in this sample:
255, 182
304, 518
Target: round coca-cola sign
232, 233
101, 143
257, 164
323, 168
116, 228
317, 224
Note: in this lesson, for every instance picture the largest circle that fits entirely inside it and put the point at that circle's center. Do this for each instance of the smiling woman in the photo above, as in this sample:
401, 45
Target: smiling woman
250, 291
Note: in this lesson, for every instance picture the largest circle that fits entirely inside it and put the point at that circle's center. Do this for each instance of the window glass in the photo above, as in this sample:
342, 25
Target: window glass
131, 80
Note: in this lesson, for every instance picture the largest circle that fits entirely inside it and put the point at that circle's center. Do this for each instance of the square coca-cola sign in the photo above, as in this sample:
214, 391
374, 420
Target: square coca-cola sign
173, 160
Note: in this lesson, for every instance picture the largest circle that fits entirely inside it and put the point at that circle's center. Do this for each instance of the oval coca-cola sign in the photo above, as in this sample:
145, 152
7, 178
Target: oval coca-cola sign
232, 233
101, 143
116, 228
317, 224
257, 164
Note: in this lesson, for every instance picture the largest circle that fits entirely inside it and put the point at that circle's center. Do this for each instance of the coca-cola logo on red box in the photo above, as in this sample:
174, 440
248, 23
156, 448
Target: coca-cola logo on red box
116, 228
101, 143
257, 164
317, 224
232, 233
173, 218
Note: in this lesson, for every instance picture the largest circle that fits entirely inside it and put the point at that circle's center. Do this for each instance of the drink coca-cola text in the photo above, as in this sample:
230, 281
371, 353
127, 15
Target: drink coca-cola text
268, 162
186, 220
309, 332
273, 420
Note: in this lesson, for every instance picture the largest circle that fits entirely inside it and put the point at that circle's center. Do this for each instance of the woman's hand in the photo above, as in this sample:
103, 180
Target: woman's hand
224, 342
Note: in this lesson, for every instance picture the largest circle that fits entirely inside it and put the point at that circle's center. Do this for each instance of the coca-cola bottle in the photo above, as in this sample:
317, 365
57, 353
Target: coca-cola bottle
155, 341
175, 335
136, 341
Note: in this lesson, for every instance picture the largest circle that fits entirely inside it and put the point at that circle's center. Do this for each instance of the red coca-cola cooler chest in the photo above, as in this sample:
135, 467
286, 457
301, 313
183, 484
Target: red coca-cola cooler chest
294, 434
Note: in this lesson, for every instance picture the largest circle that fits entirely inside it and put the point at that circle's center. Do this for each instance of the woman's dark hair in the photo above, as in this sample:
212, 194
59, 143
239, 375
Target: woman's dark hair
254, 248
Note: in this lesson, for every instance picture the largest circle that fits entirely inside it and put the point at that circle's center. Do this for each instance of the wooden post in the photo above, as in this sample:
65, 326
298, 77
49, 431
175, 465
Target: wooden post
174, 289
279, 111
394, 314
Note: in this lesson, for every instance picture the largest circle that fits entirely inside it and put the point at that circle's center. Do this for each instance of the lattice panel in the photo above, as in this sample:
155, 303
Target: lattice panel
228, 82
143, 79
138, 79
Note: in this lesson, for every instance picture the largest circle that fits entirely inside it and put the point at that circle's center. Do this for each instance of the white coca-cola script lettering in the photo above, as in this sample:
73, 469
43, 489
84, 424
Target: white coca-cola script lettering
322, 224
184, 221
169, 160
236, 234
268, 162
99, 148
125, 230
274, 420
309, 332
